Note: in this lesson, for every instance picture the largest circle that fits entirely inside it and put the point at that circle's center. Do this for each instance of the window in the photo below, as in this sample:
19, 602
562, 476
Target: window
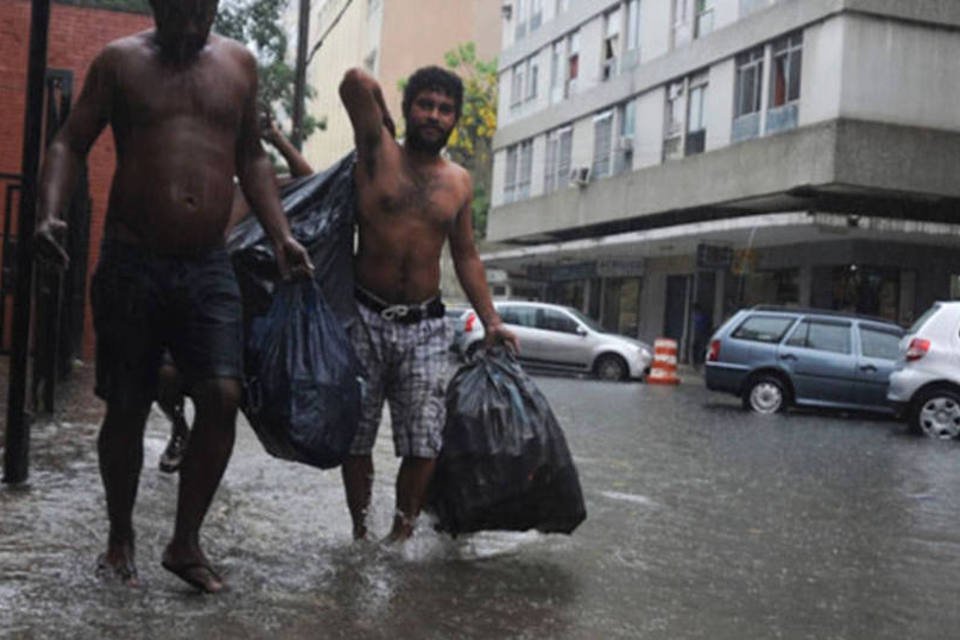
696, 122
522, 316
681, 21
627, 117
559, 152
749, 78
764, 328
822, 335
879, 343
703, 20
520, 15
557, 71
536, 14
518, 86
611, 44
533, 77
525, 170
673, 121
510, 176
562, 6
602, 143
553, 320
573, 64
785, 70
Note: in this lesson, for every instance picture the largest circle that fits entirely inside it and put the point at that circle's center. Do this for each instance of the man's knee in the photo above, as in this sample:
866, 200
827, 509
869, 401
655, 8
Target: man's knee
217, 394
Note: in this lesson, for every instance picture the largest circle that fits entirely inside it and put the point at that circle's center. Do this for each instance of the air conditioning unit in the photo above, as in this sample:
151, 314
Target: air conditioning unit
580, 176
625, 143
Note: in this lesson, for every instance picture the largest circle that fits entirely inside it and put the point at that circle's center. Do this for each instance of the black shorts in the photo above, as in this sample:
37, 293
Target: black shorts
144, 303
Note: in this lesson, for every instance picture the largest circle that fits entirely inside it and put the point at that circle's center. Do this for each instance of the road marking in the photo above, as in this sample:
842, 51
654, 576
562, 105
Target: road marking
628, 497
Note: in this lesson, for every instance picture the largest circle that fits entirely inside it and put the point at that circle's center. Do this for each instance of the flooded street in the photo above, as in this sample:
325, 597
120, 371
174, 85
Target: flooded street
703, 522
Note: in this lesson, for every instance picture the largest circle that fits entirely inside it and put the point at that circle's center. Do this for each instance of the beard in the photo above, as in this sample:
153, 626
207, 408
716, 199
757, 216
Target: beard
418, 143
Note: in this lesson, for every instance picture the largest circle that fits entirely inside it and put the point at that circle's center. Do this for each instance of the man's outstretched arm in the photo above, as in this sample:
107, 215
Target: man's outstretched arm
473, 277
65, 155
255, 173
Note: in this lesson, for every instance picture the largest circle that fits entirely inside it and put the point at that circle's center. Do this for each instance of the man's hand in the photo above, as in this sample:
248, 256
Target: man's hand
293, 260
497, 332
46, 244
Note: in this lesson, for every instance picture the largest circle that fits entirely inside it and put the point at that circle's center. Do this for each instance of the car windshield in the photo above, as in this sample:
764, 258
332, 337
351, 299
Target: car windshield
590, 322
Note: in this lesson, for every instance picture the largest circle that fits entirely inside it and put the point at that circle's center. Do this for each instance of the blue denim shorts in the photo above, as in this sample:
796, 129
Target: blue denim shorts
144, 303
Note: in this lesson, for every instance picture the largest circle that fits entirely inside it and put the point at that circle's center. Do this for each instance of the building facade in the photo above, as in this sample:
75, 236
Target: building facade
390, 38
656, 156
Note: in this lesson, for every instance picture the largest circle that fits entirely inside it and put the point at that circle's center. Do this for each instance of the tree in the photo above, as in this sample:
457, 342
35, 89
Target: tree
471, 143
258, 23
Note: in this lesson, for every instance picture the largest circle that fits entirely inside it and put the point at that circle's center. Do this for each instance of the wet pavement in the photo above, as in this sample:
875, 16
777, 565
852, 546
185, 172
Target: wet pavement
703, 522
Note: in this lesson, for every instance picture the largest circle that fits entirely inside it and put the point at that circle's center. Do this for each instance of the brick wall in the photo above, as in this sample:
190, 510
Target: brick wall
76, 35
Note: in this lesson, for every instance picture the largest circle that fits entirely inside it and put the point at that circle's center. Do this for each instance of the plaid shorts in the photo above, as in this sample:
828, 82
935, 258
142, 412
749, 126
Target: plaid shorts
406, 364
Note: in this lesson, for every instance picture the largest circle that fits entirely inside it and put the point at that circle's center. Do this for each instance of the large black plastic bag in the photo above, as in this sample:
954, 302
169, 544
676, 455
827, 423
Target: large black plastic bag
505, 462
320, 210
303, 389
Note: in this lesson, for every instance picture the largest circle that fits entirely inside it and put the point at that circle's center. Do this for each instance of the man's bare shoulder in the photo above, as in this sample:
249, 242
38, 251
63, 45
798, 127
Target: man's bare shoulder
458, 175
233, 49
131, 47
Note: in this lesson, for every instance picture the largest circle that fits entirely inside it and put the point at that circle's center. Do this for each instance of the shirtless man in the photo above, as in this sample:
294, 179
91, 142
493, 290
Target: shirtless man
182, 105
410, 201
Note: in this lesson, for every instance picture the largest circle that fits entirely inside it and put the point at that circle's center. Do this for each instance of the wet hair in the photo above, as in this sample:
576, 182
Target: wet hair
433, 78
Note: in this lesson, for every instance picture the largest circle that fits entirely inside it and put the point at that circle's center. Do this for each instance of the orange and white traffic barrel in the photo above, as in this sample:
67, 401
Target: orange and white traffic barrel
664, 369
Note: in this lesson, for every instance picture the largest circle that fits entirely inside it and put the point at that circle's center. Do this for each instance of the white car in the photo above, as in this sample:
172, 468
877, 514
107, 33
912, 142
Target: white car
560, 338
925, 383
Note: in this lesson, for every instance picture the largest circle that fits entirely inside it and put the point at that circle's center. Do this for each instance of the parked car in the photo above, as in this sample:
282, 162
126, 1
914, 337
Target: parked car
452, 315
774, 357
556, 337
925, 384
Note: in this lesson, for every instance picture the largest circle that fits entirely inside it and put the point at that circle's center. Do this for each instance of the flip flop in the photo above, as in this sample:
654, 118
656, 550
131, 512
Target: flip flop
127, 572
197, 574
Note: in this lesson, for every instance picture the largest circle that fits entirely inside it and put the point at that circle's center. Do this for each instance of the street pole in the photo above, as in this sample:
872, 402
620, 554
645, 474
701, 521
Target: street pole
300, 82
16, 459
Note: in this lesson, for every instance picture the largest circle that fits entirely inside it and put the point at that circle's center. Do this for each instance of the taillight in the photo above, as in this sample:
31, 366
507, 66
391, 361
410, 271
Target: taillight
714, 354
917, 349
471, 320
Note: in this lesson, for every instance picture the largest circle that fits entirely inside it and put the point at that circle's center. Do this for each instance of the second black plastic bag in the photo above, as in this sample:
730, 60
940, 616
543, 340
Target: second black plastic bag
303, 389
505, 462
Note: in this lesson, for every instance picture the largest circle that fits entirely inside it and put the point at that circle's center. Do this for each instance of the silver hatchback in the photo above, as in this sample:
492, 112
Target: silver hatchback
925, 383
560, 338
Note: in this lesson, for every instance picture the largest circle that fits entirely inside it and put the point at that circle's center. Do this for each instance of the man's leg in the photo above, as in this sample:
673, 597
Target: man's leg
357, 474
211, 444
120, 449
412, 483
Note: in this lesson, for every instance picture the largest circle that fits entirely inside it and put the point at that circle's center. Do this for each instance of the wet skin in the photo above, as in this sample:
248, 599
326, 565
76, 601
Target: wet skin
410, 202
182, 106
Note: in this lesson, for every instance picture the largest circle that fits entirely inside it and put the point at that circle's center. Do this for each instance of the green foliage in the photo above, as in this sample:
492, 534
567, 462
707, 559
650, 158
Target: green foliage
258, 23
471, 144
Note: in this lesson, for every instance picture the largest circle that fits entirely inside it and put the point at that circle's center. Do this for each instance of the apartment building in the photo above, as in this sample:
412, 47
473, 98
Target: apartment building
390, 38
657, 155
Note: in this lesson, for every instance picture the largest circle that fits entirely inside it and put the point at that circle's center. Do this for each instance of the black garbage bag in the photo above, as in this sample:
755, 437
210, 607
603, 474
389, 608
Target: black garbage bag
320, 210
303, 387
504, 462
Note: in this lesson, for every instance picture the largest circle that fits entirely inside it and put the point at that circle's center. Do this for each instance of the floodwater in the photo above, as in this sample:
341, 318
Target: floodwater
703, 522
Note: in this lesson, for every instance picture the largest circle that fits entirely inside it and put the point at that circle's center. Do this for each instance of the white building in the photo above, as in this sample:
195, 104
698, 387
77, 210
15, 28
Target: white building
807, 147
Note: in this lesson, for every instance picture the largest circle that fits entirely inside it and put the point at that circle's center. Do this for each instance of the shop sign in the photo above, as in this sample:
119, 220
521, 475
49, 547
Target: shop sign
620, 268
562, 272
712, 256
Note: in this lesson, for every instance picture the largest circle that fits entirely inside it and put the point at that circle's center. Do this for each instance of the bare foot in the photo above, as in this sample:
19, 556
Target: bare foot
402, 529
117, 563
194, 569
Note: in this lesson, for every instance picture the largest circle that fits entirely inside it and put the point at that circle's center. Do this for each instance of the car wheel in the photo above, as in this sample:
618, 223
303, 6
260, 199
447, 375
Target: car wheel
765, 395
610, 367
936, 414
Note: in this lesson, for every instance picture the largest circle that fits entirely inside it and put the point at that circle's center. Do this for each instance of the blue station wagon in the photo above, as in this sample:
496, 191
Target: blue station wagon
774, 357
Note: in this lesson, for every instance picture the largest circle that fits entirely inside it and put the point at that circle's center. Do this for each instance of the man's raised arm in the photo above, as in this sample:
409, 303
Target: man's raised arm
65, 154
363, 99
255, 174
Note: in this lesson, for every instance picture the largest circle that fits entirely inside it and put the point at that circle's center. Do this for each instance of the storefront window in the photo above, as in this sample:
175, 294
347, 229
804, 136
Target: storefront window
868, 290
621, 307
768, 287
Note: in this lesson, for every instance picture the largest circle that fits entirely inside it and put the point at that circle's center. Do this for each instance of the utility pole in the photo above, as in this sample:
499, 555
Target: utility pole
16, 459
300, 82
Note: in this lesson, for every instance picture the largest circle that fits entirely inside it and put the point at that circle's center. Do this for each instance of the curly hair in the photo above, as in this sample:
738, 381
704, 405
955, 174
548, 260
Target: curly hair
433, 78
